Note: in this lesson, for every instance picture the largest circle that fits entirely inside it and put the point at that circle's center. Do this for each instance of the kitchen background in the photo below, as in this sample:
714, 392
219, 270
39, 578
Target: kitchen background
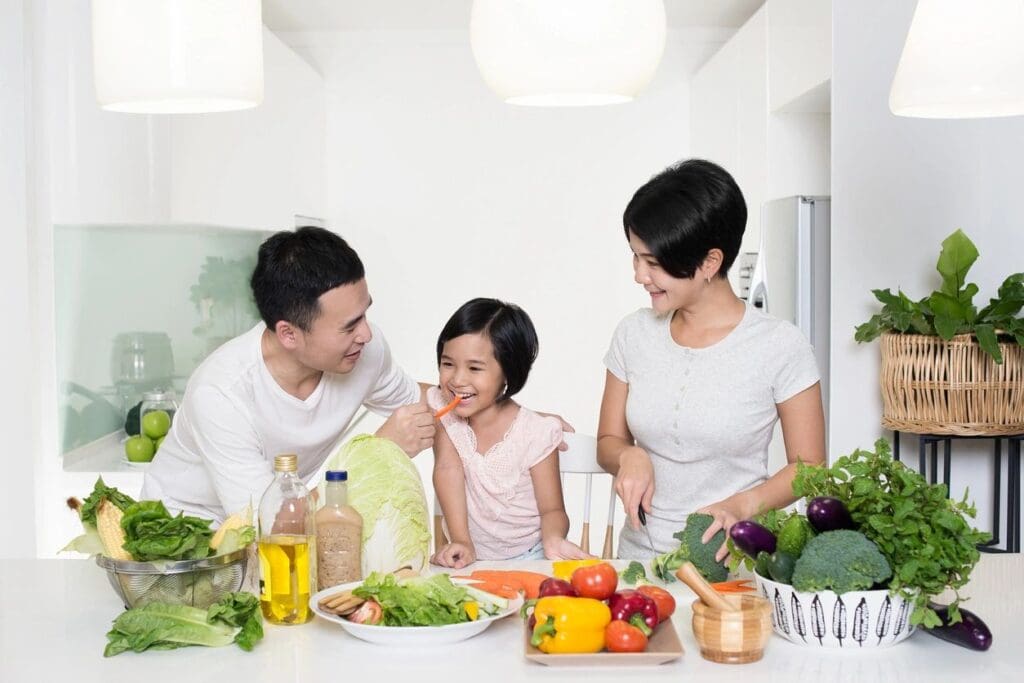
376, 121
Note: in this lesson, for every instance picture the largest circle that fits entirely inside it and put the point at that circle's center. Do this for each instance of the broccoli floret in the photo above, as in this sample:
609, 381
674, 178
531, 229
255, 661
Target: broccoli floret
840, 561
634, 574
691, 549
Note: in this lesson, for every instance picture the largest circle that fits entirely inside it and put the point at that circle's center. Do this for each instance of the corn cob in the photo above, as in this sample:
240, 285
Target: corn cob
108, 524
237, 520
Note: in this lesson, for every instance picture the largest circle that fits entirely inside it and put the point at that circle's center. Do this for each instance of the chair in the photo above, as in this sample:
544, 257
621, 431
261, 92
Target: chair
580, 458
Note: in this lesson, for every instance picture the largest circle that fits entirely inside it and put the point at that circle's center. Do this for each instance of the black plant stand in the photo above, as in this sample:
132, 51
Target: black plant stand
1013, 442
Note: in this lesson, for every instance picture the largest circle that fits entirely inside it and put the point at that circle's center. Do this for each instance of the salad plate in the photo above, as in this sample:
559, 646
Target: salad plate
409, 636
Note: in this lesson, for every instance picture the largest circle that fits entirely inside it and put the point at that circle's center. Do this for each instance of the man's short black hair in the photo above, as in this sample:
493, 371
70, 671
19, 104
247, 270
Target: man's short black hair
511, 333
295, 268
686, 211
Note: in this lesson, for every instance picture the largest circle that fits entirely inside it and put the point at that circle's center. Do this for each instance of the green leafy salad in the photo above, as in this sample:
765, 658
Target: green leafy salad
426, 601
235, 618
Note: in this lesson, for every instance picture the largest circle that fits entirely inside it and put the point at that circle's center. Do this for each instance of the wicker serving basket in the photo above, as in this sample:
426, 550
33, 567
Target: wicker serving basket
934, 386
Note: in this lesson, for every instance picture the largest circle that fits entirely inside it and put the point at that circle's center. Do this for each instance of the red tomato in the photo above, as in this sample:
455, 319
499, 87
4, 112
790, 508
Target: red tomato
622, 636
662, 598
597, 581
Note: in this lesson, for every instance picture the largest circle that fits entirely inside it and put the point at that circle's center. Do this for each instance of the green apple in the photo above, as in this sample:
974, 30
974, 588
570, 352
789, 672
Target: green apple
158, 442
156, 423
139, 449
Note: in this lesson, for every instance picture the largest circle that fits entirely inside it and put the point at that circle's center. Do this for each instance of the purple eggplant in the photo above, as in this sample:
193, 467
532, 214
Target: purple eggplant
752, 538
829, 514
971, 632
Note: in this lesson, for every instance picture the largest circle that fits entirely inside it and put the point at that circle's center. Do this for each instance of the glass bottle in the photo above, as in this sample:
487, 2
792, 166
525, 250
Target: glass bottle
152, 401
287, 546
339, 535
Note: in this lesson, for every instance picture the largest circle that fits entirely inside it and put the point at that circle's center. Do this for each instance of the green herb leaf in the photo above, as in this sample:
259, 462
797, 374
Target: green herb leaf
986, 335
925, 536
956, 258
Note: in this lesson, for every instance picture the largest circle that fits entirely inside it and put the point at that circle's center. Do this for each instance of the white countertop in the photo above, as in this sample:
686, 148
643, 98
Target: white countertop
54, 615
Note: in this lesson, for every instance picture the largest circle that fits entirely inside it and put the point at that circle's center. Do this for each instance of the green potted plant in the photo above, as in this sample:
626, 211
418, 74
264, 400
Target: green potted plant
947, 367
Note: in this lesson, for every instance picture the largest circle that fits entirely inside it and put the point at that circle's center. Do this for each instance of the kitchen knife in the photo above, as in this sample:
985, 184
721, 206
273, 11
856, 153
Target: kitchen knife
643, 522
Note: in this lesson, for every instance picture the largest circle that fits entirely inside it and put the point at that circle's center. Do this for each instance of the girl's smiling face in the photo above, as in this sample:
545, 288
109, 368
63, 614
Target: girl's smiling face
468, 369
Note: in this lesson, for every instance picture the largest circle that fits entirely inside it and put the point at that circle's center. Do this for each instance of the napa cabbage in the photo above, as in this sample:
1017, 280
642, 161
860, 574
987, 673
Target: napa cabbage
385, 488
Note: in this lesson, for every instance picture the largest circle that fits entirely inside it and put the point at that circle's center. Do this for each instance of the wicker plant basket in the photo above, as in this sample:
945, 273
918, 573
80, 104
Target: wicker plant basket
933, 386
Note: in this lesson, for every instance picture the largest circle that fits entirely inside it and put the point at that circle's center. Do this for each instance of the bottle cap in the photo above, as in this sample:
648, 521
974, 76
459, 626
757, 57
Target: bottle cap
286, 463
336, 475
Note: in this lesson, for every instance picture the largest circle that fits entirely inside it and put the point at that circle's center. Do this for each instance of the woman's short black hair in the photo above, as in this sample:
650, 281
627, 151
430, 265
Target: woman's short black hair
511, 333
686, 211
295, 268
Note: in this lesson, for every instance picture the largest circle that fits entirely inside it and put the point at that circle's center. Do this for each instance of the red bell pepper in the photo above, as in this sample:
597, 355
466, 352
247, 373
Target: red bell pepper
549, 587
634, 608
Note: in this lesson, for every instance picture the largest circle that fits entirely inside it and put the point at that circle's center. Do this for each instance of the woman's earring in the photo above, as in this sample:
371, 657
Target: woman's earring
707, 280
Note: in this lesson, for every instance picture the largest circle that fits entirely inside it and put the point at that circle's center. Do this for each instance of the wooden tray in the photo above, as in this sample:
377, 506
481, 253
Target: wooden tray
664, 646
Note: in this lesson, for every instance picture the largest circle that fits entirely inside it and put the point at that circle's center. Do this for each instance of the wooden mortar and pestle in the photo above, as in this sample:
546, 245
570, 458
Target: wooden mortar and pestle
730, 629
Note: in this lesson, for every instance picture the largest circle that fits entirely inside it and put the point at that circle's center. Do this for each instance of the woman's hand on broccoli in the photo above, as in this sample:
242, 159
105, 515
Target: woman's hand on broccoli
725, 513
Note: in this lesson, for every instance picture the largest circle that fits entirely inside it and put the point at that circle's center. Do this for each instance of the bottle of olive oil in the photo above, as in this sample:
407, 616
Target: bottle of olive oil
287, 546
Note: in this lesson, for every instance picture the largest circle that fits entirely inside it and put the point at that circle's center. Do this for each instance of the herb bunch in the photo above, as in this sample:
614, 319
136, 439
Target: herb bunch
950, 310
925, 536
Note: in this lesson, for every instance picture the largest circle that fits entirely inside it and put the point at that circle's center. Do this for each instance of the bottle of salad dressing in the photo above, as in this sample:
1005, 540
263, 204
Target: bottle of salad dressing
339, 535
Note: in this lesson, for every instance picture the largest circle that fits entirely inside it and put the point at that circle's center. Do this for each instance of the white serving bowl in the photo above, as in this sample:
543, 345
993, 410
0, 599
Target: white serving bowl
854, 620
408, 636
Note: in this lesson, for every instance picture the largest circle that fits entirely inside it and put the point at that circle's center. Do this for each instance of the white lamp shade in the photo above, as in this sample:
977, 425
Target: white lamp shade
177, 56
567, 52
962, 59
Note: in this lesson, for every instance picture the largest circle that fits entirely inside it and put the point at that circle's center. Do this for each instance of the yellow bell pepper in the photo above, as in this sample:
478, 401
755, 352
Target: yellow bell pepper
472, 610
568, 625
563, 569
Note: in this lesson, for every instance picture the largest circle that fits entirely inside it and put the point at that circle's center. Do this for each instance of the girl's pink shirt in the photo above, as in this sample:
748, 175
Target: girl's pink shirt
503, 518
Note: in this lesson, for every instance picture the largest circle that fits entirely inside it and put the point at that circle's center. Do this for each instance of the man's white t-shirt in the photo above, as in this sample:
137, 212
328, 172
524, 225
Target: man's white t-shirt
235, 418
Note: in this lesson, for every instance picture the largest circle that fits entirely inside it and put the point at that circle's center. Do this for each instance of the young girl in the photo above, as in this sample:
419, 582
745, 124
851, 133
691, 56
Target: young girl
495, 462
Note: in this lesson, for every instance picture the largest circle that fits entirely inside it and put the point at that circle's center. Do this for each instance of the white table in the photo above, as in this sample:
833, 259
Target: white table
54, 615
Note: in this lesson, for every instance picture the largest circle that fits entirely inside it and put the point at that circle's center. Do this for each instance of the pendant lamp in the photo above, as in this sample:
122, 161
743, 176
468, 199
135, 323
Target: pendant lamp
177, 56
962, 59
567, 52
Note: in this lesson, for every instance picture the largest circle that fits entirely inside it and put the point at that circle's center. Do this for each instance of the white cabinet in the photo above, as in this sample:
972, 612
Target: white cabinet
728, 115
759, 106
799, 54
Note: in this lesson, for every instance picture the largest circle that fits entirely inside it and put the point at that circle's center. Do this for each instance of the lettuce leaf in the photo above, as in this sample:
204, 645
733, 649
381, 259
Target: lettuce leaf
101, 492
235, 618
424, 601
152, 534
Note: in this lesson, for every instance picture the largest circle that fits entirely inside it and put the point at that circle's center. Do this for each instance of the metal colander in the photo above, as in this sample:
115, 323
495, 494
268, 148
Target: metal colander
197, 583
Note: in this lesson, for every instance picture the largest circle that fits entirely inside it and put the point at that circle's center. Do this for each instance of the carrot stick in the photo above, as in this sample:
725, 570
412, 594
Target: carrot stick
447, 409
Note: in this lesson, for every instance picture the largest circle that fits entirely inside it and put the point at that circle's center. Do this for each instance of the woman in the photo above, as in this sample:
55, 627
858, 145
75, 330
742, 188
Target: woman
695, 383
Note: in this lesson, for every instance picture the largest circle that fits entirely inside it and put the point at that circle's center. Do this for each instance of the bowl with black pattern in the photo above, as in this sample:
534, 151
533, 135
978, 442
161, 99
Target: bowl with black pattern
856, 620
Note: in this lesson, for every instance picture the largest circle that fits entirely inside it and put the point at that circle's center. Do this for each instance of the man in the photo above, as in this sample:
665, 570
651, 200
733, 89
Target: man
289, 385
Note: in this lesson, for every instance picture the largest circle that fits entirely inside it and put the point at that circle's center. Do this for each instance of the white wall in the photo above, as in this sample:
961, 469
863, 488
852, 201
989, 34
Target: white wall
449, 194
17, 531
899, 187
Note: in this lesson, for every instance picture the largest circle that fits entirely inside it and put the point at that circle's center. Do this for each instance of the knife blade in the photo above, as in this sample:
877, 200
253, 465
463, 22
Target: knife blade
643, 522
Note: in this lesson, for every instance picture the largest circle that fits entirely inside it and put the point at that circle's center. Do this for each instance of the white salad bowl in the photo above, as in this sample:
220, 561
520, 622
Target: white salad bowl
854, 620
408, 636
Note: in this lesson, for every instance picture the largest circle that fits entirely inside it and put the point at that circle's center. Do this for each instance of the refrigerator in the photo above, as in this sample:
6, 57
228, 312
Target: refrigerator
790, 275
